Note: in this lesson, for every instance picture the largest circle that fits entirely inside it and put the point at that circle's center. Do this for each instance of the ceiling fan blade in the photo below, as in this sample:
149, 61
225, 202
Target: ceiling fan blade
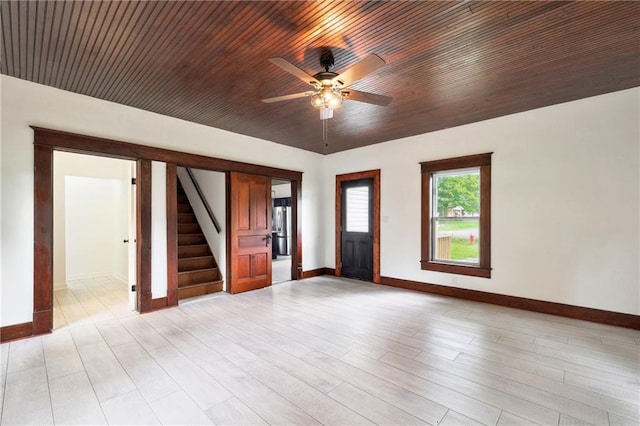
287, 97
370, 98
292, 69
360, 70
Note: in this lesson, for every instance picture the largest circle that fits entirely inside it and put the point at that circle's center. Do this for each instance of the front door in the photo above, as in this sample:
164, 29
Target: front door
250, 232
357, 229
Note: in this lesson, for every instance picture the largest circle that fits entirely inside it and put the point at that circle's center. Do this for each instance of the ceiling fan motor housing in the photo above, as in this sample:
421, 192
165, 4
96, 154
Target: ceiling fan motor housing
326, 59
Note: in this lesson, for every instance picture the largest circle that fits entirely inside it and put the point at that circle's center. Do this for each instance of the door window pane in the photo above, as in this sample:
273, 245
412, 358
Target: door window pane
358, 209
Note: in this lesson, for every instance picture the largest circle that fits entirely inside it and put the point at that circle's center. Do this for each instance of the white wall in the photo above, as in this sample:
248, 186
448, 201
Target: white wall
69, 164
213, 187
281, 191
93, 233
565, 201
24, 103
158, 229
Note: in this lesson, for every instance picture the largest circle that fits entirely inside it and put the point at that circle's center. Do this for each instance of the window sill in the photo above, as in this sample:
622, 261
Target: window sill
473, 271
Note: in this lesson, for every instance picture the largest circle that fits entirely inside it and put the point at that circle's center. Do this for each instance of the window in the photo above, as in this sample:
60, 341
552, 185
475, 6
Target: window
358, 209
456, 215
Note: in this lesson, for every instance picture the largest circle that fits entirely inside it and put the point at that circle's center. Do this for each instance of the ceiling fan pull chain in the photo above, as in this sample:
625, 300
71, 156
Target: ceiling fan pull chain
325, 131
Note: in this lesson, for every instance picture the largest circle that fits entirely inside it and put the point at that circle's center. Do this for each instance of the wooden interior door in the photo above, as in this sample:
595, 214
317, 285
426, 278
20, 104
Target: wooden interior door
250, 232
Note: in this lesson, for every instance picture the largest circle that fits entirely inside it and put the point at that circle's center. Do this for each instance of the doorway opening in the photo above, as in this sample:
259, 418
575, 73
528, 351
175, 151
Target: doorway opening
281, 231
201, 232
357, 235
94, 234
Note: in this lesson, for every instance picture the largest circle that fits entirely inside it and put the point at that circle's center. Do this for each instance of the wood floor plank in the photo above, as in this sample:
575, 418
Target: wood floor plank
108, 378
150, 379
25, 354
309, 374
114, 333
566, 365
456, 419
27, 398
618, 420
615, 354
419, 407
498, 360
578, 357
234, 412
431, 389
508, 419
517, 391
375, 409
567, 390
61, 355
144, 333
627, 393
202, 388
266, 403
74, 401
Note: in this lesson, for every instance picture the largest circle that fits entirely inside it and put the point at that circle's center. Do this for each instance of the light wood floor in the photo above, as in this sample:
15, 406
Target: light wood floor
281, 269
330, 351
89, 301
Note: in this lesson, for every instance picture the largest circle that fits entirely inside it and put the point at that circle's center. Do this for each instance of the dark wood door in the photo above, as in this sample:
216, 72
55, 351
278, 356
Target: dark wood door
357, 229
250, 232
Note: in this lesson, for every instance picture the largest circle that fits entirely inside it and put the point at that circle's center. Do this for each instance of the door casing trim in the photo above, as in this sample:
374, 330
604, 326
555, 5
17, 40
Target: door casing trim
369, 174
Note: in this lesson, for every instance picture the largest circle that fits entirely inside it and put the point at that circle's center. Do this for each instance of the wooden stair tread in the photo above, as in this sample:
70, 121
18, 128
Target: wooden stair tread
191, 239
199, 289
197, 257
197, 270
198, 276
186, 251
200, 284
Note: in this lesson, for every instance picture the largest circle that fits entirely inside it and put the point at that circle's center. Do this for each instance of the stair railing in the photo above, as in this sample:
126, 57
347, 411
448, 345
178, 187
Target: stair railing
204, 200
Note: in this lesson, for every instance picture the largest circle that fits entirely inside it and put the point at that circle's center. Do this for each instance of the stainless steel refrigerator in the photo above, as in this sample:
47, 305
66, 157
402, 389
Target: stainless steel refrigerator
282, 228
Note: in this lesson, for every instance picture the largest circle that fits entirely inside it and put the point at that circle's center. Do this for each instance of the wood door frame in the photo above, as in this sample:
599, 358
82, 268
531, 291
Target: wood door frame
370, 174
46, 141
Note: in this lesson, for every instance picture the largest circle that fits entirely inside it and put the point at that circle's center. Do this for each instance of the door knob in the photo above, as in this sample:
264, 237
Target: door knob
268, 238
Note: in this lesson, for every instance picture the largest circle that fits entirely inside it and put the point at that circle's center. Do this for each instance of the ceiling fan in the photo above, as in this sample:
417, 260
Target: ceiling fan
331, 89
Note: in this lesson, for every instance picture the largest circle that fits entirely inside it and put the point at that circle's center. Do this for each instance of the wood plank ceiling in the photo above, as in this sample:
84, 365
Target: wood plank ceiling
448, 63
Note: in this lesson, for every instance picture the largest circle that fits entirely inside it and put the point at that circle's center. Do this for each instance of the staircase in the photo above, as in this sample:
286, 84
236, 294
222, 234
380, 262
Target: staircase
198, 271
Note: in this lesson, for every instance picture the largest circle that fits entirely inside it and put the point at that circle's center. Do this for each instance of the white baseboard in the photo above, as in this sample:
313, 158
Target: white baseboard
113, 275
118, 276
59, 286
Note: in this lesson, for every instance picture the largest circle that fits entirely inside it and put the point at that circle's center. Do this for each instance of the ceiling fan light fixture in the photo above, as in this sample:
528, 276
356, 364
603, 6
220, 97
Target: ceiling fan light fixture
326, 100
317, 100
